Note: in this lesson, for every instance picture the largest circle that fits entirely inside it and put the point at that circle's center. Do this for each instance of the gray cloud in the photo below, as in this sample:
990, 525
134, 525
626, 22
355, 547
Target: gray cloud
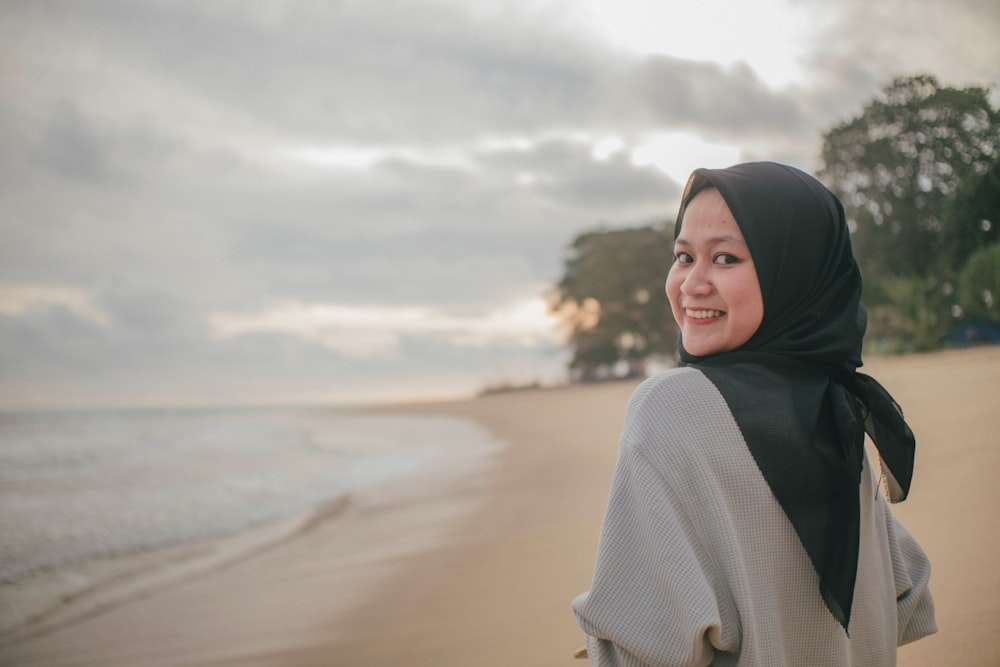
867, 44
724, 101
372, 71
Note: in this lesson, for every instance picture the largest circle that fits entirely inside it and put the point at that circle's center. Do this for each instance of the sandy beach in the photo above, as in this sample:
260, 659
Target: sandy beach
476, 562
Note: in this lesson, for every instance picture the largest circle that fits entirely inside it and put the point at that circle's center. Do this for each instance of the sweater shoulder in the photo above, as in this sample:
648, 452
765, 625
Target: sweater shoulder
675, 383
677, 408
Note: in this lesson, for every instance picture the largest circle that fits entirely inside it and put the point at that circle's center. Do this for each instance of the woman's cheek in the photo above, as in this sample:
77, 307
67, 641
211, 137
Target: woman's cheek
672, 288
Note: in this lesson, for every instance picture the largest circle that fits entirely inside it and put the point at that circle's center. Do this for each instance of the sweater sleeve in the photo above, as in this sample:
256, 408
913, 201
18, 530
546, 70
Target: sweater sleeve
911, 571
652, 600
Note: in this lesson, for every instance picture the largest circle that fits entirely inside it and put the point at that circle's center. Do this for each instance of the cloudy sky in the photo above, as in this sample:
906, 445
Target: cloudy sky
352, 200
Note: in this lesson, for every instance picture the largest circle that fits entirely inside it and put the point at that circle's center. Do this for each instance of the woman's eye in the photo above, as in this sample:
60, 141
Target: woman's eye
726, 258
683, 258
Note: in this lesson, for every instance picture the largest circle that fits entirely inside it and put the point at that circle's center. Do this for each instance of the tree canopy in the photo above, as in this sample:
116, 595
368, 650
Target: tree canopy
917, 171
611, 298
897, 166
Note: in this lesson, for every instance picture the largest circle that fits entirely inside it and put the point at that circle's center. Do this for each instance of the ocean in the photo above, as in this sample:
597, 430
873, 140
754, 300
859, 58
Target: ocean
79, 488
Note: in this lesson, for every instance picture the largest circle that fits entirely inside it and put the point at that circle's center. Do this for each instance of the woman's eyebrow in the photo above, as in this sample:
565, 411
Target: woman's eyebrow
725, 238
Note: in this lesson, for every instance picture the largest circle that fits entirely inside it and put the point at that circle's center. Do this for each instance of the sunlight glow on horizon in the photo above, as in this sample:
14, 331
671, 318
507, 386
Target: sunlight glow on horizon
674, 153
377, 331
22, 300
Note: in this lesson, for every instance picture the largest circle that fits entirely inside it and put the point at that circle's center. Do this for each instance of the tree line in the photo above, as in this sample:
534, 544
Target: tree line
918, 171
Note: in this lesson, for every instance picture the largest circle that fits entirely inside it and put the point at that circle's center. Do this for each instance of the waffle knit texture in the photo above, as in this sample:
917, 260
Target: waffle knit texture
698, 564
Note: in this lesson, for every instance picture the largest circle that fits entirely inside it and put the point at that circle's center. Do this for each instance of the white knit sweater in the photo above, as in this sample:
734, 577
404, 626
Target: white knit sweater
698, 564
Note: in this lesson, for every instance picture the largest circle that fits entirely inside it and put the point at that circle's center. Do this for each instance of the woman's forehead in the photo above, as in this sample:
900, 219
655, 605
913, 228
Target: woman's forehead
707, 204
709, 218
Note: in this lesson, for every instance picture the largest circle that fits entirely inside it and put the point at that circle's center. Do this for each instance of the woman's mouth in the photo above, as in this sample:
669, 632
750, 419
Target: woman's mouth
702, 314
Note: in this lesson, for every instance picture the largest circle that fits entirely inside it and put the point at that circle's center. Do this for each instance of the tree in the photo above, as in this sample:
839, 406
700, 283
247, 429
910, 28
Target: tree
611, 298
913, 315
897, 166
973, 221
979, 285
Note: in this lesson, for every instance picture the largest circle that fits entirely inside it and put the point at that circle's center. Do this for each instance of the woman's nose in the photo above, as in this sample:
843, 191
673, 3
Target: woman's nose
697, 281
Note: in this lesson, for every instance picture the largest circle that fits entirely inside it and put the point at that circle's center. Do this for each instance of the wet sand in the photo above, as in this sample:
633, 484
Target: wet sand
476, 564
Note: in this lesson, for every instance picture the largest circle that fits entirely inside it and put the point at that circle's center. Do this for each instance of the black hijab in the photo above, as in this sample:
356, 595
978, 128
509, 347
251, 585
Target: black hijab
793, 387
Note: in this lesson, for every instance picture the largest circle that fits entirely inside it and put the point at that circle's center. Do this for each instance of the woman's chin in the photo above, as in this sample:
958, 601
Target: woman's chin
699, 346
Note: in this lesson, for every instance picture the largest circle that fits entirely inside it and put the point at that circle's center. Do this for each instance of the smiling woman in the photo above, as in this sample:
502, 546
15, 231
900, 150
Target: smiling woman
745, 524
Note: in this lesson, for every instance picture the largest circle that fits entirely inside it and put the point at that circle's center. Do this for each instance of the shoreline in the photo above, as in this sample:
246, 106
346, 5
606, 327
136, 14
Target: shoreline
128, 578
350, 542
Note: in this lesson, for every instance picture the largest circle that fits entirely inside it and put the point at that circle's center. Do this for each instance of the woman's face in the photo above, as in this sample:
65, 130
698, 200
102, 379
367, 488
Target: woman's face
712, 286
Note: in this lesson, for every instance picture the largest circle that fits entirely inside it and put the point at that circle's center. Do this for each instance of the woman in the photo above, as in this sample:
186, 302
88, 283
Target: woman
745, 525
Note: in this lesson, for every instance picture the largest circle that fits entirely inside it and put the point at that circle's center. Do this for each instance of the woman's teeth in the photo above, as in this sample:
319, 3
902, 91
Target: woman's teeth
703, 314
